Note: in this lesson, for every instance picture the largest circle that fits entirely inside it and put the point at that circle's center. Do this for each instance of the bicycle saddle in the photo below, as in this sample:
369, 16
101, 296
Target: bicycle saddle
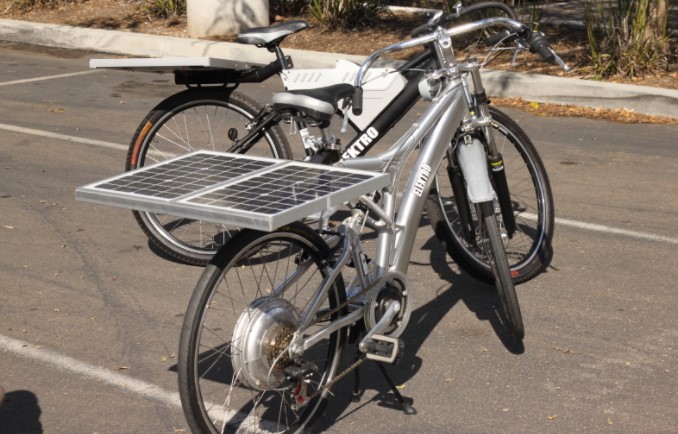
318, 104
271, 34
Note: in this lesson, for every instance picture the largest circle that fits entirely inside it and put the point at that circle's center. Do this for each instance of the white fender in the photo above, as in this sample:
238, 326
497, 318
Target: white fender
473, 162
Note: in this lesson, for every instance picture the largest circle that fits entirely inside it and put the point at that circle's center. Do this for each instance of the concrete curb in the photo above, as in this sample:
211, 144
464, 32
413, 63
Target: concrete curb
140, 44
533, 87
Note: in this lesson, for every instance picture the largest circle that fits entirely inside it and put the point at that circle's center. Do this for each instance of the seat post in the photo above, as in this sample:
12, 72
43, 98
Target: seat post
285, 61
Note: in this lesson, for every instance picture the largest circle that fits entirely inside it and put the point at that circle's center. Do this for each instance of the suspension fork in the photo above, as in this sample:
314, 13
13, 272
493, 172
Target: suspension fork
495, 160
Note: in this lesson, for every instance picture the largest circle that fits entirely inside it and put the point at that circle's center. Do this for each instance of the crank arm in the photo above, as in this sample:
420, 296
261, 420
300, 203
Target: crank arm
382, 348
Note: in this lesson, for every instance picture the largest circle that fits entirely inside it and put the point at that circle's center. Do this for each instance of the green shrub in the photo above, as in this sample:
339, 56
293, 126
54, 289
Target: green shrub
628, 37
284, 7
346, 13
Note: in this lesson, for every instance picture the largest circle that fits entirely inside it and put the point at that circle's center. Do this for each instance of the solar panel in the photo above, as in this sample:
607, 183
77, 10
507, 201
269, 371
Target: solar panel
253, 192
170, 64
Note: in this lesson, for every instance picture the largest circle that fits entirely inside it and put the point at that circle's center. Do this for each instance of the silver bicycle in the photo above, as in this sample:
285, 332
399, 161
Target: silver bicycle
264, 332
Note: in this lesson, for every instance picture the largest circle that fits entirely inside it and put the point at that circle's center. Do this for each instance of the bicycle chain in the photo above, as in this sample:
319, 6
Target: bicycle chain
337, 378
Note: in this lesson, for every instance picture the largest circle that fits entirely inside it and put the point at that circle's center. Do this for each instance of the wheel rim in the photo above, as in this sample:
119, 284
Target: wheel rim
227, 367
528, 207
204, 126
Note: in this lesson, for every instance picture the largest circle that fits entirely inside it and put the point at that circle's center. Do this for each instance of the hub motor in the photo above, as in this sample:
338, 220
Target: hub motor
261, 341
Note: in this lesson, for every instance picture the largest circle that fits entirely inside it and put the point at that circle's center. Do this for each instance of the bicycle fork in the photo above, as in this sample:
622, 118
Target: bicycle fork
494, 157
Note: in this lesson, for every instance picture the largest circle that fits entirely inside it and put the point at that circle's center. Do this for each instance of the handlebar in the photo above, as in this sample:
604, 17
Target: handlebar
515, 26
445, 18
536, 41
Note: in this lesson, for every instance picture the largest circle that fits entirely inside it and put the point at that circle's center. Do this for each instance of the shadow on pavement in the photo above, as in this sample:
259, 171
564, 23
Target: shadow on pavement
480, 299
20, 413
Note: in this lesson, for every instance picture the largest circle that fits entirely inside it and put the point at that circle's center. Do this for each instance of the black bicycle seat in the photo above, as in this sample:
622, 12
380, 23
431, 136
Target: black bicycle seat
271, 34
319, 104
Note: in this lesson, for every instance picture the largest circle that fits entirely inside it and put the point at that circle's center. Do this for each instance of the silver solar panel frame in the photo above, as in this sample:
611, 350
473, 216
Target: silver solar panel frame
183, 207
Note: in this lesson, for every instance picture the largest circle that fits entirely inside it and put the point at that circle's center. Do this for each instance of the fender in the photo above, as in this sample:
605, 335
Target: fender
473, 163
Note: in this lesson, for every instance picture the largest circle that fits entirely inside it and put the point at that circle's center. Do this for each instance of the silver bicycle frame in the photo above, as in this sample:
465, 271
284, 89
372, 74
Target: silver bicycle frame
432, 133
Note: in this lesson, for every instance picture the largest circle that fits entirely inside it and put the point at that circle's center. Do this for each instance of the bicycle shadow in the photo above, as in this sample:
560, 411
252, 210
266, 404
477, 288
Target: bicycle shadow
20, 413
480, 298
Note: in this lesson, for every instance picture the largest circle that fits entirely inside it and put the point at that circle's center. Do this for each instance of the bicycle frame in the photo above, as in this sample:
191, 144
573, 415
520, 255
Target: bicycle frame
413, 70
397, 227
365, 139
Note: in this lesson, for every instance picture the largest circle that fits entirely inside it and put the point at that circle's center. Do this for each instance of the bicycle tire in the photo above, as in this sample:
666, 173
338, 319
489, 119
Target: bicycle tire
234, 339
502, 274
191, 120
530, 249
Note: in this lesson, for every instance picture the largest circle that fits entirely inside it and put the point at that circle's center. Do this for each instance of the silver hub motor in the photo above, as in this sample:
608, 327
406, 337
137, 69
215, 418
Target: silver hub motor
261, 342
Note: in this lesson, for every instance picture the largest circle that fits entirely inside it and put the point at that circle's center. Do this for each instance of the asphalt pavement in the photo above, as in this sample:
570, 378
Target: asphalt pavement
531, 87
90, 314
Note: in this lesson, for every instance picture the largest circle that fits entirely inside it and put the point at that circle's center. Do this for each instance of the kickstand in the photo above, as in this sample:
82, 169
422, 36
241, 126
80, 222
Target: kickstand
407, 408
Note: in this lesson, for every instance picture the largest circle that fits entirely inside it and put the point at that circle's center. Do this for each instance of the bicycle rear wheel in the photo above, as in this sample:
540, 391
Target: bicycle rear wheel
529, 250
195, 119
235, 371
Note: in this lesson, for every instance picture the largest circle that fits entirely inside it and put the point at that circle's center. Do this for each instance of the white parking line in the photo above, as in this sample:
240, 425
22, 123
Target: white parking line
85, 370
606, 229
559, 221
127, 384
48, 77
616, 231
65, 137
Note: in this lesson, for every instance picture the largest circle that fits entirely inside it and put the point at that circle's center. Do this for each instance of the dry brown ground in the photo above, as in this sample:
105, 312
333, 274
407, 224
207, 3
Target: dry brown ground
126, 15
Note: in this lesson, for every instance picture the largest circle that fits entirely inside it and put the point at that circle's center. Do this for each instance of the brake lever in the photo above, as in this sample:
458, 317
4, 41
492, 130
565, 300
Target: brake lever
457, 9
521, 45
560, 61
344, 121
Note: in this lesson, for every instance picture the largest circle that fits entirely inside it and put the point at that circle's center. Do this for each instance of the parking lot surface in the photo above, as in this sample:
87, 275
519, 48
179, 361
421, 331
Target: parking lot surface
90, 314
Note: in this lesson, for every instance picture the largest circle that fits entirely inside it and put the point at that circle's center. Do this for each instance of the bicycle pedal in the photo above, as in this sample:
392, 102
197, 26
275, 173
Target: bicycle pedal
385, 349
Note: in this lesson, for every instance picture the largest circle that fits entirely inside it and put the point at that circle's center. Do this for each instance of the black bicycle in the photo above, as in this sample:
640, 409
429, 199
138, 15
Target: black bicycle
212, 114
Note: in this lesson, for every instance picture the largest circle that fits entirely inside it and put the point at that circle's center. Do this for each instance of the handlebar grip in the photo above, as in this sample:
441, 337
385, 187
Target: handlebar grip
357, 101
420, 30
495, 39
539, 44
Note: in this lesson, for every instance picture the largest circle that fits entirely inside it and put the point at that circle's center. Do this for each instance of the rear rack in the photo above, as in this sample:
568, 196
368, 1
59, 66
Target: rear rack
196, 70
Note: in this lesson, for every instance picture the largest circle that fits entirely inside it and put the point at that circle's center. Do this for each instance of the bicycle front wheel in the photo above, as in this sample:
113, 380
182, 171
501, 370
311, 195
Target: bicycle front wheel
491, 242
236, 370
529, 250
195, 119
